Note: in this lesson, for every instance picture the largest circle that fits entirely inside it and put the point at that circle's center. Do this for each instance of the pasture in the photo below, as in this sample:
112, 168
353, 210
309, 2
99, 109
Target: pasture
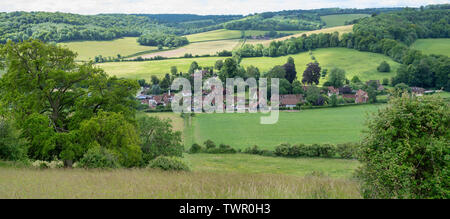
340, 19
221, 34
255, 164
340, 29
433, 46
363, 64
329, 125
89, 49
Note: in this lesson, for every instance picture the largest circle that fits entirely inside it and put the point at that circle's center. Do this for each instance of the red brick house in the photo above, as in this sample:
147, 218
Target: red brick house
361, 97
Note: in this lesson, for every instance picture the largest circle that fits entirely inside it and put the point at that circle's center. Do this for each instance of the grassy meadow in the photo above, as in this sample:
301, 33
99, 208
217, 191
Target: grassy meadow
340, 19
143, 183
340, 29
89, 49
433, 46
221, 34
363, 64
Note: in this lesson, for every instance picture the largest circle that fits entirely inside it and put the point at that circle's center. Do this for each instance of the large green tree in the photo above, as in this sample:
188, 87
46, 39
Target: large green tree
48, 94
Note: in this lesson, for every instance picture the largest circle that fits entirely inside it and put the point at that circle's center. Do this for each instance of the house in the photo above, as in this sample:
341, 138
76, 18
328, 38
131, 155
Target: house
418, 91
290, 100
361, 96
332, 90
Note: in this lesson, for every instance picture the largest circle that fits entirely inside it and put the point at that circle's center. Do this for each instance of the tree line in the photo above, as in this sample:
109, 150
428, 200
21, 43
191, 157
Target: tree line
162, 40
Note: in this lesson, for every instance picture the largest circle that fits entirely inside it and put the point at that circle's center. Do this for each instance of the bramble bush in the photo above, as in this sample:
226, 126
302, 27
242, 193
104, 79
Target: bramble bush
405, 153
168, 163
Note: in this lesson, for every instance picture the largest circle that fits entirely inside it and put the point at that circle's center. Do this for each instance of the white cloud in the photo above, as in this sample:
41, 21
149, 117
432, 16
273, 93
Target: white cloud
196, 6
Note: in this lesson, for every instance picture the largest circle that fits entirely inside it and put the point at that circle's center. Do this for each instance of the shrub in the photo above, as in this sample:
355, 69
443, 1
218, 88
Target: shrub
45, 164
405, 153
11, 147
384, 67
98, 157
347, 150
209, 144
282, 150
195, 148
222, 149
168, 163
385, 81
326, 150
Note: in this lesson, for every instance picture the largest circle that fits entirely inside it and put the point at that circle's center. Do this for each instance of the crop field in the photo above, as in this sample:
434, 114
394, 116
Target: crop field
89, 49
144, 183
144, 70
221, 34
340, 19
200, 48
433, 46
363, 64
329, 125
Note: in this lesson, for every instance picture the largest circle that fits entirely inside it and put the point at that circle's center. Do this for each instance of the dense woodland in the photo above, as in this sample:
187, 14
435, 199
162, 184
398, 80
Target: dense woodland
59, 27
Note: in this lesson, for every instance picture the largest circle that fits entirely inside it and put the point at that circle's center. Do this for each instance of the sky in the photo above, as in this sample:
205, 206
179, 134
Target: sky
202, 7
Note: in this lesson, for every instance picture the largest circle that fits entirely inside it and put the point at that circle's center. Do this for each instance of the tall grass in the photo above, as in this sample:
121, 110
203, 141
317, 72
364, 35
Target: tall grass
143, 183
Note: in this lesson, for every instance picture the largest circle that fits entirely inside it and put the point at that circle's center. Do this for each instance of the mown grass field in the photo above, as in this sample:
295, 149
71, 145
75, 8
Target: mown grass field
340, 19
200, 48
329, 125
363, 64
433, 46
89, 49
221, 34
143, 183
255, 164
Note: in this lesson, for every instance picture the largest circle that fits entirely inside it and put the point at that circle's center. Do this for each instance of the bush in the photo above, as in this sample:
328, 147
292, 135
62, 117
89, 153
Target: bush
195, 148
347, 150
222, 149
168, 163
405, 152
327, 150
45, 164
209, 144
384, 67
282, 150
11, 147
98, 158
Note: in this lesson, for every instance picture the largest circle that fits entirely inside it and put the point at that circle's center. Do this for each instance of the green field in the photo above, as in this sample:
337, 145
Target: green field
433, 46
200, 48
329, 125
221, 34
255, 164
340, 19
89, 49
363, 64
